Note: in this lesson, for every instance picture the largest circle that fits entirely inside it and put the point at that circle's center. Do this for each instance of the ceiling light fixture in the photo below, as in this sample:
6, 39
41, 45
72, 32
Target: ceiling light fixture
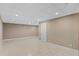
57, 13
17, 15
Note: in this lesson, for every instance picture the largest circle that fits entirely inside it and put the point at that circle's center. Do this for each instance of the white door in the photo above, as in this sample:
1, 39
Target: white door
43, 31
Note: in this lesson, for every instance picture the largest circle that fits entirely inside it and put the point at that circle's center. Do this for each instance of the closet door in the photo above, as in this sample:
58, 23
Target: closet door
64, 31
43, 32
75, 29
0, 33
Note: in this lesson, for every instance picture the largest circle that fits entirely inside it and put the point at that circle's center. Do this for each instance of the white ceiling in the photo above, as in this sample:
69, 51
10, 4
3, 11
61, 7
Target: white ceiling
31, 13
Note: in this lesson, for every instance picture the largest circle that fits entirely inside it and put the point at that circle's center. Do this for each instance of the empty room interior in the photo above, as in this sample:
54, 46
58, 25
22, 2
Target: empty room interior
39, 29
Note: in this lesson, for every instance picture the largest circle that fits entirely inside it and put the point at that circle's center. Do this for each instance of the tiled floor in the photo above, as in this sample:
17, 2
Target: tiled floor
34, 47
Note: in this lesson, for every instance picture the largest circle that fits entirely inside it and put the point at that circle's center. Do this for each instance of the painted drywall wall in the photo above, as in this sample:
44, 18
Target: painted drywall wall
64, 31
17, 31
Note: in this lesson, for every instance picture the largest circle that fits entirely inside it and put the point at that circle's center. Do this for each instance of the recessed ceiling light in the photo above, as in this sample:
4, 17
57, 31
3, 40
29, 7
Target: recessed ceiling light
17, 15
57, 13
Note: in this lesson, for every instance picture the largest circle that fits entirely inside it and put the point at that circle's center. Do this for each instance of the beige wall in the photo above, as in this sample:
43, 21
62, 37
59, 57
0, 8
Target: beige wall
0, 32
64, 31
17, 31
